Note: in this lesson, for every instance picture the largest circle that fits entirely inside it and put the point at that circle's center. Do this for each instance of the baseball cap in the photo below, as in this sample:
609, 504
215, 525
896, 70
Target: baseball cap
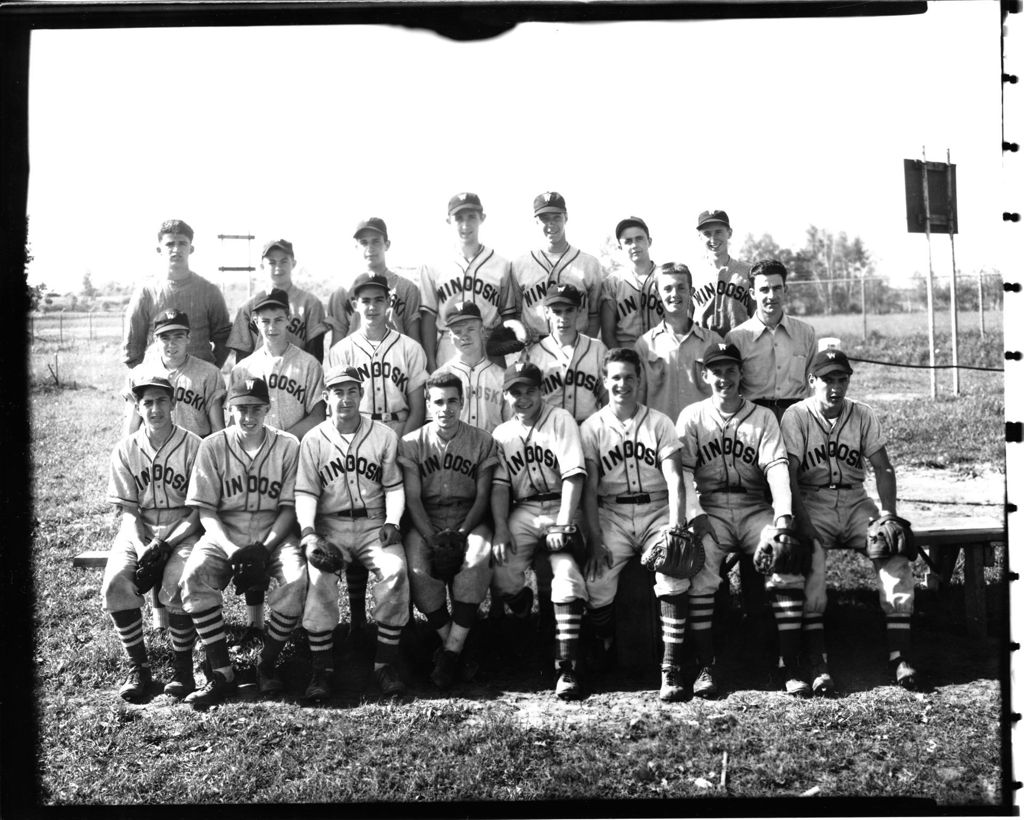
631, 222
550, 202
276, 298
337, 375
720, 352
170, 320
522, 373
827, 361
283, 244
708, 217
370, 280
457, 311
564, 295
140, 384
374, 223
460, 202
249, 391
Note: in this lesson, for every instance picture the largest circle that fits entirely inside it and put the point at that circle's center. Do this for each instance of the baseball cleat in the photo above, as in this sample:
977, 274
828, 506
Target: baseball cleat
821, 680
795, 684
904, 673
135, 686
567, 687
445, 669
268, 682
216, 688
672, 688
319, 685
706, 684
387, 679
182, 682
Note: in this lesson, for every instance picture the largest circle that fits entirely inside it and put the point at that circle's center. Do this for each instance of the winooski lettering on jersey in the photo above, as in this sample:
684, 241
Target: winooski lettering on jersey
625, 451
250, 484
342, 466
160, 474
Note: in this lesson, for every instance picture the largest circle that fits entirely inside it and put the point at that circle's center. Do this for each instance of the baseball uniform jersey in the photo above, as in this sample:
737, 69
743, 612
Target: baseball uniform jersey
775, 362
295, 381
449, 469
482, 385
404, 307
198, 386
537, 271
572, 377
637, 304
671, 373
306, 322
721, 295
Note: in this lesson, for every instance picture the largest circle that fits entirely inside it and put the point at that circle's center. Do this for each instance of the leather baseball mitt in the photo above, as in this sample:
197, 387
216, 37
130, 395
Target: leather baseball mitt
888, 536
782, 550
325, 556
502, 341
447, 554
249, 568
564, 538
149, 570
675, 553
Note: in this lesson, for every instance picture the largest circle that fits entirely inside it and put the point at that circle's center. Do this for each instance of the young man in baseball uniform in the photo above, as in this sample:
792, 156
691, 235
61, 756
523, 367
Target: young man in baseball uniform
448, 466
538, 484
634, 489
183, 290
721, 296
630, 305
829, 437
571, 362
670, 351
349, 491
732, 452
198, 386
243, 486
475, 274
557, 263
148, 479
776, 348
372, 245
306, 322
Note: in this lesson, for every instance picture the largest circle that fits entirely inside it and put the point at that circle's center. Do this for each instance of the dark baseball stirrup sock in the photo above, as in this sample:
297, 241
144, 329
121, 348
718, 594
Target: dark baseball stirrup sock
602, 619
897, 633
210, 626
439, 618
464, 614
387, 643
673, 627
814, 635
183, 632
356, 577
321, 647
128, 623
279, 630
517, 603
701, 608
788, 606
568, 618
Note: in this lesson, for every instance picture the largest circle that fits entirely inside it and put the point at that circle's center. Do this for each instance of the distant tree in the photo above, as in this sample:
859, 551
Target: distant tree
36, 296
89, 291
609, 254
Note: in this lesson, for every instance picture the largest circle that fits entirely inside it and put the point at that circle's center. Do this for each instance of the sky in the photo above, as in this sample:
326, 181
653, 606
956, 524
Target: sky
299, 132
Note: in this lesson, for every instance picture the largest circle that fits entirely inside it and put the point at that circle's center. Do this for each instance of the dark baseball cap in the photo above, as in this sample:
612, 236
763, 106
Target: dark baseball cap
720, 352
170, 320
827, 361
339, 375
711, 217
283, 244
249, 391
550, 202
564, 295
464, 201
374, 223
457, 311
631, 222
522, 373
144, 382
276, 298
370, 280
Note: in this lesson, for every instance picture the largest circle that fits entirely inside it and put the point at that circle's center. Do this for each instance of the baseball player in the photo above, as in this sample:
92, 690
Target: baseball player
482, 380
306, 322
182, 290
148, 478
721, 296
392, 365
349, 490
294, 377
448, 466
630, 305
475, 274
732, 451
243, 486
372, 245
571, 362
557, 263
538, 484
198, 386
634, 489
776, 348
670, 351
829, 437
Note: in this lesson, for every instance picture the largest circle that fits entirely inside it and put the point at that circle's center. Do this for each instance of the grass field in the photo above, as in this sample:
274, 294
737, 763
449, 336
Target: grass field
505, 738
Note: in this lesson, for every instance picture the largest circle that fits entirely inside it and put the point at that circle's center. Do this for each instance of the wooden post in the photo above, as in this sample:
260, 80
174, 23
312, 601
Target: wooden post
60, 327
974, 591
952, 278
931, 297
863, 304
981, 304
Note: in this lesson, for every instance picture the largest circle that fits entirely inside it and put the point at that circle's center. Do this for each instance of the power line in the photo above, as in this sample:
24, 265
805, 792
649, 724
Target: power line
927, 366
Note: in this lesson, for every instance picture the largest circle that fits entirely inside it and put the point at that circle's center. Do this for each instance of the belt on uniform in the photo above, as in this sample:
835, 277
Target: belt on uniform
360, 513
386, 417
639, 498
776, 402
829, 487
543, 497
727, 490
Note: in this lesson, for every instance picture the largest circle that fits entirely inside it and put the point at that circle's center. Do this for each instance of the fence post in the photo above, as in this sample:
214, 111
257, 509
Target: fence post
90, 324
60, 327
981, 305
863, 304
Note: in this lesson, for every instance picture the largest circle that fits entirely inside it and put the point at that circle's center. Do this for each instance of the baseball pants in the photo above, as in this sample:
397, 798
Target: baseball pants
471, 581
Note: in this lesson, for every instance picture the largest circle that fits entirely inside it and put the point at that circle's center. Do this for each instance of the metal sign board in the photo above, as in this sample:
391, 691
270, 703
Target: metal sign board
941, 196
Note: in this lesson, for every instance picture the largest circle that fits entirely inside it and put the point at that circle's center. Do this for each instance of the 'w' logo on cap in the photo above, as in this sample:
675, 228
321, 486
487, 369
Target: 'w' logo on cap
250, 384
722, 346
547, 197
830, 353
462, 197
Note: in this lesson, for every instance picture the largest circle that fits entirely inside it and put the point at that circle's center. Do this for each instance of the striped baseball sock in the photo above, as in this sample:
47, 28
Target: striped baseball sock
279, 630
356, 576
897, 633
463, 618
321, 646
814, 635
602, 619
254, 612
387, 644
701, 608
788, 606
518, 602
568, 617
183, 632
673, 627
210, 626
128, 623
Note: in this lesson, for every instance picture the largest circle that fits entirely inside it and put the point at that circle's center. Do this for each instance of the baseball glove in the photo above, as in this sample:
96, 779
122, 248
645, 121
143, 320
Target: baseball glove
249, 568
564, 538
149, 570
782, 550
675, 553
325, 556
447, 554
502, 341
890, 535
